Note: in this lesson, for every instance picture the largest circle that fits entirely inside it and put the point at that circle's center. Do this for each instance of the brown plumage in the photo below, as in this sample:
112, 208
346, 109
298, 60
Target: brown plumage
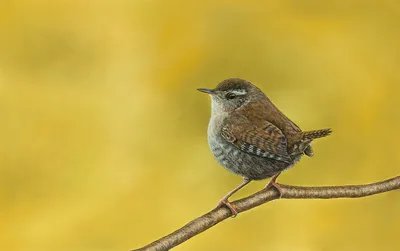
250, 136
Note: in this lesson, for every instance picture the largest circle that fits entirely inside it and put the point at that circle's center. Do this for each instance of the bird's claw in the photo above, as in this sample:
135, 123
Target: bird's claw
228, 205
273, 183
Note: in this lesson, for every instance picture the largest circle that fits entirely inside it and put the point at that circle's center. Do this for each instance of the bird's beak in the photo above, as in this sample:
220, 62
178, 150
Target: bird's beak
208, 91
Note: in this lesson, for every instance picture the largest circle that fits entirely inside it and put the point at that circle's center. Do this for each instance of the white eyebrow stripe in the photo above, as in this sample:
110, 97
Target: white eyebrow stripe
239, 92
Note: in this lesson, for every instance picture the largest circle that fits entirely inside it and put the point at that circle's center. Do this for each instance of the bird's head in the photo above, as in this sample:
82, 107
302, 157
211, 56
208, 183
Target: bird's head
232, 94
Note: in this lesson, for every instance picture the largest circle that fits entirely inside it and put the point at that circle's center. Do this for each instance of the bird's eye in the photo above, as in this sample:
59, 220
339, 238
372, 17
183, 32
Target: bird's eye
230, 96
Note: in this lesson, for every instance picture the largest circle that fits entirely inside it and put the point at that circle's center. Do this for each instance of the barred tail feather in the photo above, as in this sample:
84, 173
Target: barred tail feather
316, 134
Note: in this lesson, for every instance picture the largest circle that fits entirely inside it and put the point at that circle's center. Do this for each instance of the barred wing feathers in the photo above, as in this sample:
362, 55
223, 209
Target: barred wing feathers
264, 140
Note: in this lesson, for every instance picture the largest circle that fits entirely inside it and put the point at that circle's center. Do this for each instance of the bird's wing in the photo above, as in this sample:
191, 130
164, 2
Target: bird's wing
264, 140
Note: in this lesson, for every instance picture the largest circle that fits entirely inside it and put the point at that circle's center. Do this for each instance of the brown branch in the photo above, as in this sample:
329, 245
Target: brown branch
215, 216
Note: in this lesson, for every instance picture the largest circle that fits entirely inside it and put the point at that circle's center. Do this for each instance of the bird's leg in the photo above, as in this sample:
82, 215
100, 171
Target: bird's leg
273, 183
224, 200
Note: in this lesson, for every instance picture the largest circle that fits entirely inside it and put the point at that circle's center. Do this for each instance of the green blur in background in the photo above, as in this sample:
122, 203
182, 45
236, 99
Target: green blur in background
103, 134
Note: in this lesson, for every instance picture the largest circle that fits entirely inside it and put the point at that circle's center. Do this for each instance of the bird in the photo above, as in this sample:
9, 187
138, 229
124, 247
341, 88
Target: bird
251, 137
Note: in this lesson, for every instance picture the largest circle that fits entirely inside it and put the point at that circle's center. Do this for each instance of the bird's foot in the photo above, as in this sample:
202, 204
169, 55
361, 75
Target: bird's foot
273, 183
228, 205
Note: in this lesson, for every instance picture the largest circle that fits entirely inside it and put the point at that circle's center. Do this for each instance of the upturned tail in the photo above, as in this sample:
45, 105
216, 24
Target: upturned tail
310, 135
302, 144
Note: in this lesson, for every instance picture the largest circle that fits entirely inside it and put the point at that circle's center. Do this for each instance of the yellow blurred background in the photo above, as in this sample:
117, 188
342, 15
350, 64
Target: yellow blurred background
103, 134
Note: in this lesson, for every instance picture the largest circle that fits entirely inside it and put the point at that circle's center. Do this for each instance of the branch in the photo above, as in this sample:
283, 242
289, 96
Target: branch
215, 216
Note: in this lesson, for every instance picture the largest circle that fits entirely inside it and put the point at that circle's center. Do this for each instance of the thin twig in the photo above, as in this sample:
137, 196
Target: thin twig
215, 216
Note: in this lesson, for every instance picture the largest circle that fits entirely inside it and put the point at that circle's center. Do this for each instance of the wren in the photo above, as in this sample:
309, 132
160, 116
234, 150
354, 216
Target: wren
251, 137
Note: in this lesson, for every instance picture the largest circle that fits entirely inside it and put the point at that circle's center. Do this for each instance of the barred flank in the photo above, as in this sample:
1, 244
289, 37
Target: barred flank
316, 134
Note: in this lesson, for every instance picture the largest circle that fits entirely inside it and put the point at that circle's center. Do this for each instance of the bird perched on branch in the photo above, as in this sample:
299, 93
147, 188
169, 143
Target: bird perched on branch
249, 136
